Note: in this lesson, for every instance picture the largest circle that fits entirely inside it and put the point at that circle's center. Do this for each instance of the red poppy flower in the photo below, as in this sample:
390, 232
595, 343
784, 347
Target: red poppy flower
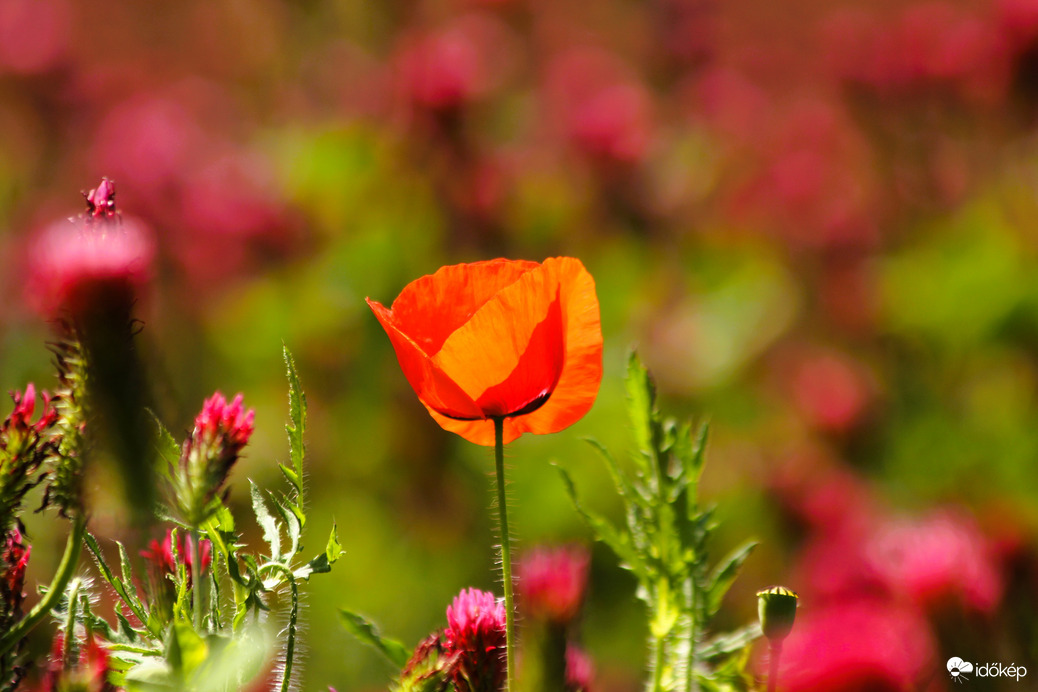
504, 339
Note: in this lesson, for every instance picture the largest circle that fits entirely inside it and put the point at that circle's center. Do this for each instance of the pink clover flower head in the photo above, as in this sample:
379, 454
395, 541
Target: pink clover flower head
24, 446
552, 583
221, 431
229, 422
475, 635
90, 262
938, 560
14, 558
580, 672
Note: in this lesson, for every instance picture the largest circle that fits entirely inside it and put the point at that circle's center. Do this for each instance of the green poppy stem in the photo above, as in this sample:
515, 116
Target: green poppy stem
506, 551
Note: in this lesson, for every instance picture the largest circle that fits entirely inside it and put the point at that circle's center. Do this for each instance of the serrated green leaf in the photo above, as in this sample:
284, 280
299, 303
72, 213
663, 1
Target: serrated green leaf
290, 522
296, 427
641, 401
166, 447
271, 534
367, 632
723, 576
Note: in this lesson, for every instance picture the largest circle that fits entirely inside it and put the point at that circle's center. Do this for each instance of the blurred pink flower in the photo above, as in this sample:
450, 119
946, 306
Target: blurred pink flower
83, 263
475, 637
34, 34
441, 70
830, 390
604, 111
580, 671
856, 645
938, 560
552, 581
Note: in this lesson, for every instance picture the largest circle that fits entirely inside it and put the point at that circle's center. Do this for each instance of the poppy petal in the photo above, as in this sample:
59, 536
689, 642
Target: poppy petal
534, 378
581, 373
488, 349
433, 307
434, 388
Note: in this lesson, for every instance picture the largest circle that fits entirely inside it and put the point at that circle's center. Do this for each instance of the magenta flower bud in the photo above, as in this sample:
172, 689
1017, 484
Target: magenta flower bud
476, 636
552, 583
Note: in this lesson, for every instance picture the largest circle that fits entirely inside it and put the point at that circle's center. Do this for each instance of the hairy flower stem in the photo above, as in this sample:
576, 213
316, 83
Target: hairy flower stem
56, 590
293, 621
506, 552
773, 665
70, 626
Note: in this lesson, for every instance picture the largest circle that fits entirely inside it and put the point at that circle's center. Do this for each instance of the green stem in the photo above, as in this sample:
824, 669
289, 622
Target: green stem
506, 551
56, 590
196, 579
70, 626
290, 645
658, 665
691, 683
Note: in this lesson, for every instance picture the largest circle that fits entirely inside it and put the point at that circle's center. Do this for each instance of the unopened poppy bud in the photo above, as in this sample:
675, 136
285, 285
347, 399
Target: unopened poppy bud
777, 607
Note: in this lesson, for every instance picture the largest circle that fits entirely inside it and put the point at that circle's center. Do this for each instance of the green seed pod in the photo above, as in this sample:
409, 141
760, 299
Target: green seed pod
777, 607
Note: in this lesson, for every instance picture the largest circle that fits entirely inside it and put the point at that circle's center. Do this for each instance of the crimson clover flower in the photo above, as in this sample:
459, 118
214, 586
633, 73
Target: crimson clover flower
475, 635
220, 434
24, 446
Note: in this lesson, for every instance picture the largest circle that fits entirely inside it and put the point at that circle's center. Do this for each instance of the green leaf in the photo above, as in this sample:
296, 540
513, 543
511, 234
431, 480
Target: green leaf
641, 401
296, 427
728, 643
127, 595
271, 534
367, 632
185, 649
167, 448
323, 562
725, 573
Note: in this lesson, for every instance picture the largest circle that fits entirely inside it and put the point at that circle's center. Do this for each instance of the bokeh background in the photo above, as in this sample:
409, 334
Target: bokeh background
815, 220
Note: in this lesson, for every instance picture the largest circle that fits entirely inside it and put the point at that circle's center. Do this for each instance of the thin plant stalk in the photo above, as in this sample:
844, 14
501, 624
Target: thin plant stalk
196, 579
506, 552
66, 567
773, 665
